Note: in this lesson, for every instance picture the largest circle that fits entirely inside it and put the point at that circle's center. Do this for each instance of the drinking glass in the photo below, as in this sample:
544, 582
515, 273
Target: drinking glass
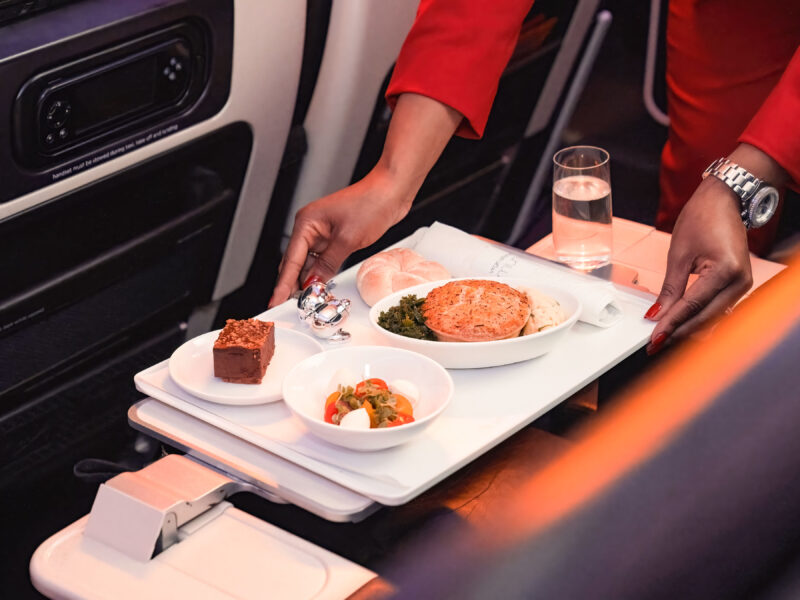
582, 207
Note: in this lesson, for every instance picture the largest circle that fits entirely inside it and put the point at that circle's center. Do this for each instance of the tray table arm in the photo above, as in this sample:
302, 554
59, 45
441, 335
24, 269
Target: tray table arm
139, 513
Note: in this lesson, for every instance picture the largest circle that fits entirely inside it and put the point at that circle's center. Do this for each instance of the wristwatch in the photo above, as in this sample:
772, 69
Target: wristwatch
758, 199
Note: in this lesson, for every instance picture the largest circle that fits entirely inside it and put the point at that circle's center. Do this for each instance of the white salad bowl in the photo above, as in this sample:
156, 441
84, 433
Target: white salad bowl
472, 355
308, 384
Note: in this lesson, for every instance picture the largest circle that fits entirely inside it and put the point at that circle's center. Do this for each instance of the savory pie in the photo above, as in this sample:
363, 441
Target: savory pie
476, 310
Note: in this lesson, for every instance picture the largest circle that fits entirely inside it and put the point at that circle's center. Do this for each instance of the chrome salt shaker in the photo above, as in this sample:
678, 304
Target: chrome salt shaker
327, 320
324, 313
311, 298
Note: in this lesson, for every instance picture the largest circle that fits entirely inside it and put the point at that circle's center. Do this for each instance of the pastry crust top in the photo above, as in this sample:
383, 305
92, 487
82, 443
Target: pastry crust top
476, 310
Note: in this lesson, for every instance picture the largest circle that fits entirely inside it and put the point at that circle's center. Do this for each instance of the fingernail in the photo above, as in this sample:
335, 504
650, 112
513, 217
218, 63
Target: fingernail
656, 344
311, 279
653, 311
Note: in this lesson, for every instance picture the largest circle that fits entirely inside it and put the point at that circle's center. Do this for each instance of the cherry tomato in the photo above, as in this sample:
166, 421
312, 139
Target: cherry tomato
332, 398
373, 418
374, 382
403, 405
330, 410
330, 407
401, 419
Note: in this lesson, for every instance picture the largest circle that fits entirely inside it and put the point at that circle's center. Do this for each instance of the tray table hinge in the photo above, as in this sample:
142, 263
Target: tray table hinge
139, 513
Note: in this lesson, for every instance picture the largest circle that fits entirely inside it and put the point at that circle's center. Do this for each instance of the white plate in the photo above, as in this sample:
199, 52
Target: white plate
472, 355
192, 367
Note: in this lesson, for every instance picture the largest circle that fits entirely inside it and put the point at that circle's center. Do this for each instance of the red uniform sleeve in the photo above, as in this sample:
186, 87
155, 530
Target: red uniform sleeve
456, 52
775, 129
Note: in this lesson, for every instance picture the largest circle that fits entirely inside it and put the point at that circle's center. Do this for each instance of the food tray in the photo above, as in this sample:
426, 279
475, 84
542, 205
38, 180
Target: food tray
489, 404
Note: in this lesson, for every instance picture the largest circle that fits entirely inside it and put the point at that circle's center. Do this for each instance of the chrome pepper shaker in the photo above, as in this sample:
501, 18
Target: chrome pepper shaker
314, 295
324, 313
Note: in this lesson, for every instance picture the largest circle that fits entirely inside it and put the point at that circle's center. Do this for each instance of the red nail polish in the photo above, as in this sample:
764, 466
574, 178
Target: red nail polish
656, 344
311, 279
653, 311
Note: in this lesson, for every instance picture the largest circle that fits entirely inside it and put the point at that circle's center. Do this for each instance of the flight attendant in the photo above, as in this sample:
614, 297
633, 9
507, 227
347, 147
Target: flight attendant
729, 63
733, 85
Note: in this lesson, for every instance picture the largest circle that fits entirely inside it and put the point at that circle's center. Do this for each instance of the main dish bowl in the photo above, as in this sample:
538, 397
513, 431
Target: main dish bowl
307, 385
472, 355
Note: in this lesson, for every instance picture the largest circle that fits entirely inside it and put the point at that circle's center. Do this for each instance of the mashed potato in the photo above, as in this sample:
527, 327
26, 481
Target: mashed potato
546, 312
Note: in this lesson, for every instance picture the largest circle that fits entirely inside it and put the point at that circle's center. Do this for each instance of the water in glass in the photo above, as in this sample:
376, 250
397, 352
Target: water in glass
582, 220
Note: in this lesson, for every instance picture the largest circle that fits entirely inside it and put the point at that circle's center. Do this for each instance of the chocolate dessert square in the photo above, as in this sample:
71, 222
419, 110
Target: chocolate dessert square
243, 350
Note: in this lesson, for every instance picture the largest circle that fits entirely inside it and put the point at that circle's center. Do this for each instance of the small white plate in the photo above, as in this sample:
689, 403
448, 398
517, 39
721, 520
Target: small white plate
192, 367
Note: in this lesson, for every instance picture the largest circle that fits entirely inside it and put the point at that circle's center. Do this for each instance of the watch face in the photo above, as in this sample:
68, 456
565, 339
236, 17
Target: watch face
762, 206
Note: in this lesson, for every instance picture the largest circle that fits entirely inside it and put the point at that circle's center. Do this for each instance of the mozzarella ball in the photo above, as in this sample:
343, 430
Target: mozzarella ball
407, 389
341, 377
355, 419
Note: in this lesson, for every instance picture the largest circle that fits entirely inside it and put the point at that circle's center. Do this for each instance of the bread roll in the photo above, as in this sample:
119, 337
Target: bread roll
393, 270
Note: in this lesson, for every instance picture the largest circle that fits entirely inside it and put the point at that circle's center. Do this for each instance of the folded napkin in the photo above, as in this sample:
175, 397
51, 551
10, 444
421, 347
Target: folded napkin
465, 255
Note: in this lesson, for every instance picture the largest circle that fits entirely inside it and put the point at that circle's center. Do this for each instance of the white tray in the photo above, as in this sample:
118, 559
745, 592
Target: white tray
489, 404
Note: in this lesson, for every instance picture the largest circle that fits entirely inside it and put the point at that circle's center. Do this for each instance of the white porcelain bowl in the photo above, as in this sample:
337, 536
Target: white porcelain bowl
307, 385
471, 355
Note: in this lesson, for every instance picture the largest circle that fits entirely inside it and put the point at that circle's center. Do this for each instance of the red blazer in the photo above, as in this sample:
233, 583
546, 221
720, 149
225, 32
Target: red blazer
775, 128
455, 53
723, 59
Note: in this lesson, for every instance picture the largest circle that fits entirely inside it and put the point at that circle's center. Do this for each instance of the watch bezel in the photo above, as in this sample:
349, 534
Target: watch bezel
761, 206
758, 200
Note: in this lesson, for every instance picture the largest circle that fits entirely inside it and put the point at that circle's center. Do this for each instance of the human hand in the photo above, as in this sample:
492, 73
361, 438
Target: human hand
328, 230
709, 240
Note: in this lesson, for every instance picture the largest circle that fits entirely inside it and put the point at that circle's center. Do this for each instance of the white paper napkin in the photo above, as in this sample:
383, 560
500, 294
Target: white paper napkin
465, 255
